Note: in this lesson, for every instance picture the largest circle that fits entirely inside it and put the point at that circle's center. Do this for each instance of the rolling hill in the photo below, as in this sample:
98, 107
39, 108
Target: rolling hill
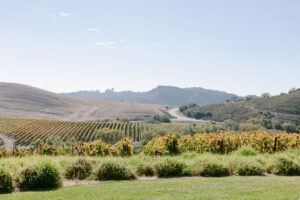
283, 108
26, 101
167, 95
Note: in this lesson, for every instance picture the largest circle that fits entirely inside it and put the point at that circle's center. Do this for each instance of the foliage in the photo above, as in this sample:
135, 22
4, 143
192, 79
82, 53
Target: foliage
161, 119
163, 145
285, 108
145, 170
263, 142
6, 181
285, 167
81, 169
246, 151
54, 141
97, 148
246, 168
192, 110
246, 127
210, 168
42, 176
62, 133
114, 171
169, 168
290, 128
125, 147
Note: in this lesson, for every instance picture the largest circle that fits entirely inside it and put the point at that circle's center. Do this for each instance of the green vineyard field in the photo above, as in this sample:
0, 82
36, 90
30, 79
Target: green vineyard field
26, 130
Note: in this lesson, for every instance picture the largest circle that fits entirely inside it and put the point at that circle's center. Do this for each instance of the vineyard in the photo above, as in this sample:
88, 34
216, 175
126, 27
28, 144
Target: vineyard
26, 130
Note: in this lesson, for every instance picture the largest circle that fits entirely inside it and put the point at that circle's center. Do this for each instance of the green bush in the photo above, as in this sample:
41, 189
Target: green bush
145, 170
169, 168
81, 169
6, 182
246, 168
284, 167
210, 169
42, 176
246, 151
114, 171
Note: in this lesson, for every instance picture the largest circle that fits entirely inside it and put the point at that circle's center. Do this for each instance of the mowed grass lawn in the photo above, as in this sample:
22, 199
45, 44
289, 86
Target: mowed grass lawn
273, 187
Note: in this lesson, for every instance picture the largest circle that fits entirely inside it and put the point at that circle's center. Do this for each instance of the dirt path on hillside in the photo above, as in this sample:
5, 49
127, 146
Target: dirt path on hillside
181, 118
8, 141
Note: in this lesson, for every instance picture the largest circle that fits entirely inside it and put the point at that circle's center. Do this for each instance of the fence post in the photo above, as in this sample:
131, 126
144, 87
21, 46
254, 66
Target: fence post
222, 146
275, 145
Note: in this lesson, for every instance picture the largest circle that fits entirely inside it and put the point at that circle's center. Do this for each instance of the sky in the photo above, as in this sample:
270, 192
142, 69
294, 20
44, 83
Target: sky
238, 46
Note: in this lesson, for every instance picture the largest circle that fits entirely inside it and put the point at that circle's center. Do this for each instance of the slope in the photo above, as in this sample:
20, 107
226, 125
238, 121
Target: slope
26, 101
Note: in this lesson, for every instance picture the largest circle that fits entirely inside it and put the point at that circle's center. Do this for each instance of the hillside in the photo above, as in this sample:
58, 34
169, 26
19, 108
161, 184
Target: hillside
26, 130
283, 108
26, 101
167, 95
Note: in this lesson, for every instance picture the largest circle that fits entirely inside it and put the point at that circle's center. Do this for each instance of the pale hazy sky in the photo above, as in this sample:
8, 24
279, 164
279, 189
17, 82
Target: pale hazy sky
239, 46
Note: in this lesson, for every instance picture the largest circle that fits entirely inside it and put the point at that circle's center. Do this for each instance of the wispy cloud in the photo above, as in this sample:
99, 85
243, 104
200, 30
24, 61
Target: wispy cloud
111, 44
92, 29
64, 14
106, 44
61, 14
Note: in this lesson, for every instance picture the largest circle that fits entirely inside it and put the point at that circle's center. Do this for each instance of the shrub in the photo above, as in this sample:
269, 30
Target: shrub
246, 168
169, 168
210, 169
6, 182
284, 167
49, 150
4, 153
43, 176
125, 147
186, 143
145, 169
80, 169
163, 145
114, 171
98, 148
246, 151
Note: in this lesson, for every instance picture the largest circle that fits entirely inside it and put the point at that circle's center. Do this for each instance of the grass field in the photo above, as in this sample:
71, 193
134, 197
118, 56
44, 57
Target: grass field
271, 187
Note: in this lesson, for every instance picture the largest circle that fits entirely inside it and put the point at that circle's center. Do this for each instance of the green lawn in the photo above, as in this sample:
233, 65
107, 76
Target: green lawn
184, 188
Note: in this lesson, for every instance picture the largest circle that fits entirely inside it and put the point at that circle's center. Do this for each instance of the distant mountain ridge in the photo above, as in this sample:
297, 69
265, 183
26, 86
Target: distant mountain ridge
167, 95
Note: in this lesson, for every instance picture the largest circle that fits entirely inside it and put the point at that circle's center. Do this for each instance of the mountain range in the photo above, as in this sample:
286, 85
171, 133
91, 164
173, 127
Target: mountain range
165, 95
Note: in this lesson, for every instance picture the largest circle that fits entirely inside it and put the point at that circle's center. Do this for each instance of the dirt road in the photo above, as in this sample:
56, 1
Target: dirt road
8, 142
181, 118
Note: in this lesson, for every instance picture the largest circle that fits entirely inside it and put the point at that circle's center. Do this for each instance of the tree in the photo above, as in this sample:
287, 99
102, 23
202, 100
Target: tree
162, 119
265, 95
248, 98
290, 128
230, 125
292, 90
